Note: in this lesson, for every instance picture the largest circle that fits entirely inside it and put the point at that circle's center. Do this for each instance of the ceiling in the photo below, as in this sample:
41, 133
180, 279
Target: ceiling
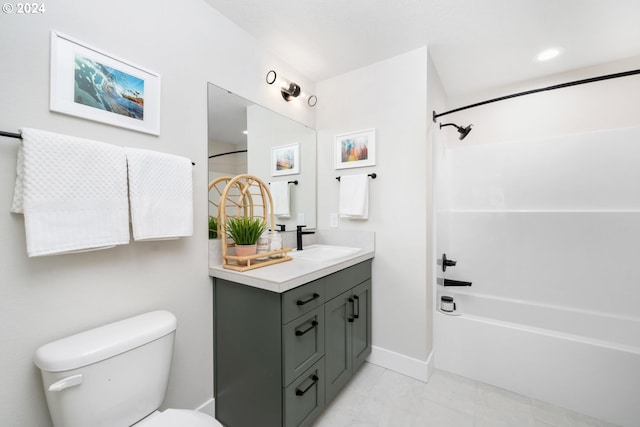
475, 45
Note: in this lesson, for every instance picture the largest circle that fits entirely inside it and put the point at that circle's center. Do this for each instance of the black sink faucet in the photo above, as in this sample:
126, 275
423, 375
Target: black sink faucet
299, 234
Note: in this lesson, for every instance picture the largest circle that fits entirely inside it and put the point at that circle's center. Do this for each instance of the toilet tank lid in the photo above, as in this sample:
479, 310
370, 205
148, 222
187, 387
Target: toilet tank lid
105, 341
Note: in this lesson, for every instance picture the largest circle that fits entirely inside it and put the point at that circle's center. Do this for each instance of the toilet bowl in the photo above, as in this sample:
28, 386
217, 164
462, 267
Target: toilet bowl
114, 375
178, 418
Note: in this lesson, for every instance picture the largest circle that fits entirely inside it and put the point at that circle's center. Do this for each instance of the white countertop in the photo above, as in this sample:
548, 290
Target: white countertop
290, 274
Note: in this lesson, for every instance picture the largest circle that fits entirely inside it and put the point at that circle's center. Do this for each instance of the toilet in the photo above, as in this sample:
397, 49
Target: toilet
114, 376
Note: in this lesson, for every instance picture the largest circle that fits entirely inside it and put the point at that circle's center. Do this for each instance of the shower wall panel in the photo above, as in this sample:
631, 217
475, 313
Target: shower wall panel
551, 221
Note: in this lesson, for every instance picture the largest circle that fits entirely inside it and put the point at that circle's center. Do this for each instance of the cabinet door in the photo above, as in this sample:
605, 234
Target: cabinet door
338, 350
361, 324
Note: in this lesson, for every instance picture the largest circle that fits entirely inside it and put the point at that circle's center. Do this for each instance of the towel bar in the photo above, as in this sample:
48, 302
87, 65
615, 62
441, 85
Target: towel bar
19, 136
291, 182
372, 175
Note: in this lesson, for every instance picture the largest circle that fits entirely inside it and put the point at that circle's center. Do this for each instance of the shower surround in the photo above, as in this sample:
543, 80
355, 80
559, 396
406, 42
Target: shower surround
548, 231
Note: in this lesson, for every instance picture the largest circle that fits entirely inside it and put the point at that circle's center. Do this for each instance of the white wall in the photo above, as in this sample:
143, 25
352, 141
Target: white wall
42, 299
390, 96
550, 220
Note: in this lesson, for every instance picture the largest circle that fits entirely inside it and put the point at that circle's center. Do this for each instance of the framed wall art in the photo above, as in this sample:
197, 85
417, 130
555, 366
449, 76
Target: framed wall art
355, 149
95, 85
285, 160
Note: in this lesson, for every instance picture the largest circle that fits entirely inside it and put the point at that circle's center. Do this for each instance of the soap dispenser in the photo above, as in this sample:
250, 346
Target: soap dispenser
264, 245
275, 243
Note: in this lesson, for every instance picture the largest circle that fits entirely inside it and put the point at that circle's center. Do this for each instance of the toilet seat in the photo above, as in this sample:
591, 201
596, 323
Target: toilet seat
178, 417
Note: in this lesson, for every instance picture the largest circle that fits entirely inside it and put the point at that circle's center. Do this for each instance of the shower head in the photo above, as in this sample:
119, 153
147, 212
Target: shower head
464, 131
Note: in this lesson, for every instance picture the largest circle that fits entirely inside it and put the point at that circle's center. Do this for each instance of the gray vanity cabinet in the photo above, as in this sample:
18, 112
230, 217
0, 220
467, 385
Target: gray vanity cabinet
280, 357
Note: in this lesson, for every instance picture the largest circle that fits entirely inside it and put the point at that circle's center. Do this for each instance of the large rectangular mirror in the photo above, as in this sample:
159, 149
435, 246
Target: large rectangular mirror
247, 138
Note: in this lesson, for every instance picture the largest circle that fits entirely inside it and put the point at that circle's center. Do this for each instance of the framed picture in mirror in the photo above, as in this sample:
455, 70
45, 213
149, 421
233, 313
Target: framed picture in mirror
285, 160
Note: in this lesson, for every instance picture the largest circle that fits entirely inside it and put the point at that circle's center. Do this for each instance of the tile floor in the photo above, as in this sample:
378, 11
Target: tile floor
378, 397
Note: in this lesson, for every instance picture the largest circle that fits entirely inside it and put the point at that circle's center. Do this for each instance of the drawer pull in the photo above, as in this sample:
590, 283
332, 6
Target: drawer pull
314, 379
313, 325
353, 310
303, 302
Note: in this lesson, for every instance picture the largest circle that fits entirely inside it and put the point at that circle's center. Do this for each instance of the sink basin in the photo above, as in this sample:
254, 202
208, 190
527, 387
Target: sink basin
320, 253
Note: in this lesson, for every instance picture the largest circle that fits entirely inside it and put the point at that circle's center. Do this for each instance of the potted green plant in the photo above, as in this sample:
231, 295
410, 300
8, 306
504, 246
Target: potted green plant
245, 231
213, 227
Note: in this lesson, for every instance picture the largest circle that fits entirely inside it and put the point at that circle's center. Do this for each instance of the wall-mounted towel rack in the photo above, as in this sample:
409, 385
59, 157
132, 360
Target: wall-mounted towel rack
19, 136
10, 134
291, 182
372, 175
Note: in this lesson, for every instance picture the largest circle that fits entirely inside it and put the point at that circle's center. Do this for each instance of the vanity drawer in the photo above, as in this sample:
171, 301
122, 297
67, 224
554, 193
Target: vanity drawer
304, 398
303, 344
343, 280
302, 299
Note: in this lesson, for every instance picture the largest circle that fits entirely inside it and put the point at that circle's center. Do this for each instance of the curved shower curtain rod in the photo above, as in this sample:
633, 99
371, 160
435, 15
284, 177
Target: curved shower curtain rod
529, 92
226, 154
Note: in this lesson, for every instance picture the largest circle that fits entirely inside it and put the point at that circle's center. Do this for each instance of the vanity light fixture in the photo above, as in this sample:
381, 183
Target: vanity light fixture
464, 131
290, 90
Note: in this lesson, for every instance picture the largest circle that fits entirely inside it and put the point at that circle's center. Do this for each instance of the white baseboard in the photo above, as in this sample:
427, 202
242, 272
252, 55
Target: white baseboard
208, 407
414, 368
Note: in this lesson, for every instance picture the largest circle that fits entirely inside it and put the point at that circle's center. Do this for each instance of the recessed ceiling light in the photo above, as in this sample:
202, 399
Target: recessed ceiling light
548, 54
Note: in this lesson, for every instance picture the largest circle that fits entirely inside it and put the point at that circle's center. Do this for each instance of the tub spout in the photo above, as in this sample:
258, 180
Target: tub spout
450, 282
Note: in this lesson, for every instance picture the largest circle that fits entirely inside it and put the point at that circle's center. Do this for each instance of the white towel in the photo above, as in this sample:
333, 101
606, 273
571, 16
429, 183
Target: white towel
354, 196
72, 192
280, 194
160, 195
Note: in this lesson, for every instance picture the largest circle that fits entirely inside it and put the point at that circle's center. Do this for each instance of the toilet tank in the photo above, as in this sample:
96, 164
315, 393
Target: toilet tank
110, 376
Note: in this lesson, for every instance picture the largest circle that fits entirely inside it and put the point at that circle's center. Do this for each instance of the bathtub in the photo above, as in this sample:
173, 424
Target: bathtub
581, 360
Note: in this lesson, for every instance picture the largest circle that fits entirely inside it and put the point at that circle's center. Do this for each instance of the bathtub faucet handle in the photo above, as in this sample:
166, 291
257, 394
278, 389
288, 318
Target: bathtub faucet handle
447, 262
